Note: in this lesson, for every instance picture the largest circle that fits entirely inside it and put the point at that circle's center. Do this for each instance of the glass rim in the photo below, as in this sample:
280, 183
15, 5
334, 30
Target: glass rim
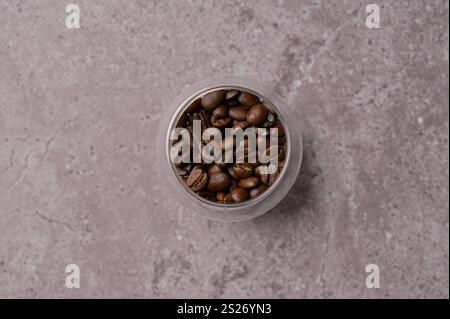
178, 113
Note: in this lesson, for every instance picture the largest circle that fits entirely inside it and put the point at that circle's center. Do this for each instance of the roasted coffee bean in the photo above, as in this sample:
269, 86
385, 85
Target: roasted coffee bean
227, 199
213, 99
257, 115
221, 197
231, 180
239, 125
234, 185
280, 128
267, 179
197, 179
240, 170
194, 106
220, 122
257, 191
230, 95
214, 168
218, 182
185, 118
205, 119
239, 195
249, 182
183, 169
208, 195
238, 113
271, 117
180, 171
248, 99
221, 111
281, 153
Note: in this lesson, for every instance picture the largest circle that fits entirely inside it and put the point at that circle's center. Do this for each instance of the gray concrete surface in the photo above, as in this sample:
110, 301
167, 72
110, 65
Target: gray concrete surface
79, 110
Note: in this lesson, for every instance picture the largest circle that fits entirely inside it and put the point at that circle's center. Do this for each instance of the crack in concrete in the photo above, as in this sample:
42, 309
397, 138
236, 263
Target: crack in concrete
67, 122
321, 49
325, 46
24, 167
54, 221
47, 146
11, 163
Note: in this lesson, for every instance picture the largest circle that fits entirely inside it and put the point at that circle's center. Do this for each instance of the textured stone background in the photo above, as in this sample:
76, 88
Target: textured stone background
79, 110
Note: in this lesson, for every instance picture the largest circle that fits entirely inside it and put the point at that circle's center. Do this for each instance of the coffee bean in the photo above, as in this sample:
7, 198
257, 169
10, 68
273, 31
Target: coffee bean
205, 118
281, 153
249, 182
267, 179
197, 179
271, 117
194, 106
183, 169
239, 195
238, 113
229, 180
248, 99
234, 185
184, 119
221, 197
230, 95
218, 182
220, 122
213, 99
239, 125
180, 171
257, 115
240, 170
257, 191
221, 111
214, 168
280, 128
227, 199
208, 195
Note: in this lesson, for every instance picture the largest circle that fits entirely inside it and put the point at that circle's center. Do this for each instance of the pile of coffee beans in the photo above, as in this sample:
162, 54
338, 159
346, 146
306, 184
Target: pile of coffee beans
230, 182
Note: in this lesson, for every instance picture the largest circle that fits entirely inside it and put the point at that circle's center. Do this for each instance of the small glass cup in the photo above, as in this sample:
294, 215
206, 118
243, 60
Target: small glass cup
192, 202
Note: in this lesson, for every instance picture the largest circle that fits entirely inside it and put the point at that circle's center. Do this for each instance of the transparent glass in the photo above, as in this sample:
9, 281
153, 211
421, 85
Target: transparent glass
195, 204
